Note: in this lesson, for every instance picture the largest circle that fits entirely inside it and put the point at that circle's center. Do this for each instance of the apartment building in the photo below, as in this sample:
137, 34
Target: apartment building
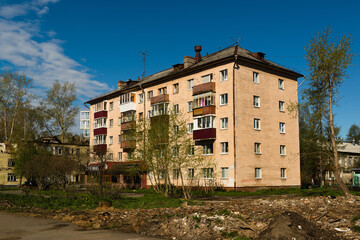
8, 177
84, 123
236, 104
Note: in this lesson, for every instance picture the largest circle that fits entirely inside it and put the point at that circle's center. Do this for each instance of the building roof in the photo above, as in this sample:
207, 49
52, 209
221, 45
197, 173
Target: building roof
348, 147
206, 61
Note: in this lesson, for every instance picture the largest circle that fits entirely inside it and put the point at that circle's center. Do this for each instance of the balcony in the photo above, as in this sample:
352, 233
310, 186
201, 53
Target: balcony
128, 125
160, 98
127, 144
100, 148
204, 134
100, 131
100, 114
204, 111
204, 88
129, 106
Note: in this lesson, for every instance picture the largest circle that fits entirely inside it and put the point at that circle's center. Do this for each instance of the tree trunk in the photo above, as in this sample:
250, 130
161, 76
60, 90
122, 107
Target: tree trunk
344, 188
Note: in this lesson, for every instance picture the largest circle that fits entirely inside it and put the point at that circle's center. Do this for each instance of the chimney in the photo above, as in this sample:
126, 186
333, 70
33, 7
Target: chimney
121, 85
178, 67
188, 61
258, 55
197, 55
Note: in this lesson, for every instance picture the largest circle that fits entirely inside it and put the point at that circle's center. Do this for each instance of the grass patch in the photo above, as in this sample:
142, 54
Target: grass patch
355, 218
224, 211
148, 201
230, 234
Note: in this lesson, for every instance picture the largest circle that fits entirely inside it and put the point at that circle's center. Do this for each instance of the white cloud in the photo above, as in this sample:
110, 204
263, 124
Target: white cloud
44, 61
16, 10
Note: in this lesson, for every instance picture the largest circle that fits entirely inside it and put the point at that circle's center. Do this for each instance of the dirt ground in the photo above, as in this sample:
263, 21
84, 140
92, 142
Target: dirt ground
277, 217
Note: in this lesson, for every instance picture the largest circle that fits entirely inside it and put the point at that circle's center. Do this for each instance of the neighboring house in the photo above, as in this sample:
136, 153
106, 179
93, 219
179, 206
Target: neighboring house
349, 158
7, 176
84, 123
236, 105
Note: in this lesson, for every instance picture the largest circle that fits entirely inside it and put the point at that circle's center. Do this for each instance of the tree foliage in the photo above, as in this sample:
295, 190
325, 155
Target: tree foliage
353, 134
58, 109
327, 63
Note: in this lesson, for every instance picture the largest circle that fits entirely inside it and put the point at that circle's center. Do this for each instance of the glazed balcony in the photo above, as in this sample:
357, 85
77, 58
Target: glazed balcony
204, 134
128, 125
204, 88
100, 148
204, 111
100, 114
129, 106
159, 99
100, 131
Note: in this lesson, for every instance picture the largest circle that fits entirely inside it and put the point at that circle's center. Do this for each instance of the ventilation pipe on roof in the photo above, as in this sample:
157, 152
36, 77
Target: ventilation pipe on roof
197, 55
121, 84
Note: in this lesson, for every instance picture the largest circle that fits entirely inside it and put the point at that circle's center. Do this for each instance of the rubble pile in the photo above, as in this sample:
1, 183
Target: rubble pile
254, 218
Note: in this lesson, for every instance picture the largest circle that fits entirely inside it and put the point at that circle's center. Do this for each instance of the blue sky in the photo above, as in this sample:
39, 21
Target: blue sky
96, 43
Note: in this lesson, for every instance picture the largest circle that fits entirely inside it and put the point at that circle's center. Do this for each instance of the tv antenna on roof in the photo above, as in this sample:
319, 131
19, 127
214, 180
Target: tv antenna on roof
143, 54
236, 43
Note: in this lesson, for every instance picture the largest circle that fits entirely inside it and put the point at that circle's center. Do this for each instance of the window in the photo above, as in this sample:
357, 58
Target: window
150, 94
224, 99
281, 106
257, 173
283, 172
223, 75
224, 123
256, 101
176, 88
176, 108
350, 161
206, 78
119, 136
202, 100
100, 123
59, 151
111, 157
257, 148
224, 147
191, 150
100, 139
176, 129
141, 98
175, 151
256, 77
282, 150
282, 127
190, 127
204, 122
126, 98
111, 107
111, 140
207, 149
224, 173
190, 108
111, 123
162, 90
119, 156
207, 173
256, 124
11, 163
190, 84
141, 115
130, 155
11, 177
281, 84
160, 109
176, 173
119, 121
161, 174
191, 173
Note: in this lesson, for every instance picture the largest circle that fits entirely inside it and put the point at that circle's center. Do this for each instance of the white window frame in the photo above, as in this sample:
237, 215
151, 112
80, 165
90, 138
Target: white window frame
141, 97
256, 77
224, 173
257, 148
257, 125
256, 101
224, 147
191, 173
281, 84
111, 123
190, 128
258, 174
111, 157
223, 75
176, 108
204, 122
110, 140
176, 88
206, 150
283, 173
207, 173
119, 156
190, 84
282, 127
162, 90
224, 123
206, 78
11, 177
190, 108
282, 150
281, 106
191, 150
176, 173
111, 106
224, 99
150, 94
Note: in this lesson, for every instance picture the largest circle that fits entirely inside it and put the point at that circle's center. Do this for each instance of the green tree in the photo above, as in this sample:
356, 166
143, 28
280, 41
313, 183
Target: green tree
58, 109
353, 134
13, 96
327, 63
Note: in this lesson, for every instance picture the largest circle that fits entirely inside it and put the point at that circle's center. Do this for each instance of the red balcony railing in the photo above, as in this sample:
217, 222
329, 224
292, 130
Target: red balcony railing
160, 98
100, 131
128, 125
100, 148
127, 144
203, 88
204, 134
100, 114
204, 111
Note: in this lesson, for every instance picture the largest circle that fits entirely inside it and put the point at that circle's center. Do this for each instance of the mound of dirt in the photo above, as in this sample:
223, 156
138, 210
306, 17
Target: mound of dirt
291, 225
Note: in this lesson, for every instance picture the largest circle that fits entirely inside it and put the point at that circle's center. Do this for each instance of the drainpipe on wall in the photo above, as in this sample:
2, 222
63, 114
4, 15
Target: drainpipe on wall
235, 67
144, 118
